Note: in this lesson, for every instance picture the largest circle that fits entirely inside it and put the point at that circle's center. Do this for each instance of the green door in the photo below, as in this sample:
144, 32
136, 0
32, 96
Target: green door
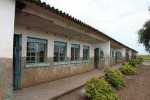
96, 57
116, 57
102, 60
17, 62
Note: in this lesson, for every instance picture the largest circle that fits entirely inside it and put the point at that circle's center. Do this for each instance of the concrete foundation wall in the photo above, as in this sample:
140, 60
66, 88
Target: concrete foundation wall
33, 76
6, 79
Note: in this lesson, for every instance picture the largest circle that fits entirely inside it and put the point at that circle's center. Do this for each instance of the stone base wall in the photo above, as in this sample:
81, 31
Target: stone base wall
36, 75
6, 77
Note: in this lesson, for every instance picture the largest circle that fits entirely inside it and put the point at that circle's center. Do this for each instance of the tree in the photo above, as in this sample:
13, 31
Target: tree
144, 36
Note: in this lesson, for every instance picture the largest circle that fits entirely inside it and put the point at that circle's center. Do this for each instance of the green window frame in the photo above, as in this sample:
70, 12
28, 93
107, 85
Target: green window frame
75, 52
60, 51
36, 50
86, 52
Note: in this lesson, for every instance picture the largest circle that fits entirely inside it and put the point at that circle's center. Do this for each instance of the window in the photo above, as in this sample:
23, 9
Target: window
36, 50
75, 52
60, 49
85, 52
119, 55
113, 54
101, 54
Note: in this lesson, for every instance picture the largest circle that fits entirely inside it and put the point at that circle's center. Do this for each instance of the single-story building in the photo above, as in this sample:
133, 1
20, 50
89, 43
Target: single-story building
40, 44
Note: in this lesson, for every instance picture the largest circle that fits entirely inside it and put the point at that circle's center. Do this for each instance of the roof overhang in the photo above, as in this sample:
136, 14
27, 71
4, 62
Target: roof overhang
42, 10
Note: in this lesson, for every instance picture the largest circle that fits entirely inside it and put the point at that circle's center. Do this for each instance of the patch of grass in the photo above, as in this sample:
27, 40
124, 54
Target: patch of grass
145, 57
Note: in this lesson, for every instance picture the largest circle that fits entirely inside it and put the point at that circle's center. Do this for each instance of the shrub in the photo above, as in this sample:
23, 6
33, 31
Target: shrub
136, 61
139, 60
128, 69
115, 77
132, 62
99, 89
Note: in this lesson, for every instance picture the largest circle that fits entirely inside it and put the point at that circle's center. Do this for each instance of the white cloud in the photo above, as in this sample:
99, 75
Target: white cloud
120, 19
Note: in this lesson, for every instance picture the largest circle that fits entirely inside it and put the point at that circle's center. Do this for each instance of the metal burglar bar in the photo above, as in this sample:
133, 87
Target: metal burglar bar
36, 50
60, 49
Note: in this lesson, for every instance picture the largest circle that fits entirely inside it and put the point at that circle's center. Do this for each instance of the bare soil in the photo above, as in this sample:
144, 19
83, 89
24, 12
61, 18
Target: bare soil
137, 87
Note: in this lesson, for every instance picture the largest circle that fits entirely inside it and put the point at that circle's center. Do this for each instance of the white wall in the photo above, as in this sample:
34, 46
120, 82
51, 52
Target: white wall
106, 49
7, 15
130, 54
123, 51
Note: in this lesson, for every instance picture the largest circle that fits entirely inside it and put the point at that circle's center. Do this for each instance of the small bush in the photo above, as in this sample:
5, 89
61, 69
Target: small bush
136, 61
115, 78
139, 60
132, 62
128, 69
99, 89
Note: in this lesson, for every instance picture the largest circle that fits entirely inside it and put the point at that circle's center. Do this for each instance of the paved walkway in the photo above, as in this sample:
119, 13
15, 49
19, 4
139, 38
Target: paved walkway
146, 63
56, 88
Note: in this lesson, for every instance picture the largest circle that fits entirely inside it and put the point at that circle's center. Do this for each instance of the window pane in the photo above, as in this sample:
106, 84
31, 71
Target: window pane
41, 52
75, 52
41, 59
101, 54
59, 51
85, 53
62, 54
72, 53
56, 54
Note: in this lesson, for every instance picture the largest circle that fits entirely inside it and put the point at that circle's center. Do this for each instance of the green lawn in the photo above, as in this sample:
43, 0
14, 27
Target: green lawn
145, 57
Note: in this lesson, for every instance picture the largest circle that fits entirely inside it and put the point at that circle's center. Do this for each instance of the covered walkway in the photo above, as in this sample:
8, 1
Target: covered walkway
51, 90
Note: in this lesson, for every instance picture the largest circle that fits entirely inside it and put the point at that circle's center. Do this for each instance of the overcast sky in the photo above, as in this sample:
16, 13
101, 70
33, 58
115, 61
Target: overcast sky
120, 19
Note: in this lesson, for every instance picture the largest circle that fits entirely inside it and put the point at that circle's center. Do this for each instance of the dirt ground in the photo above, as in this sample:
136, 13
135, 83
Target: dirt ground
137, 87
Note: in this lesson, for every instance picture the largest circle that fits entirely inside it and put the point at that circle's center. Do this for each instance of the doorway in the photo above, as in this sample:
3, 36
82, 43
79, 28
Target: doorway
96, 57
102, 59
17, 62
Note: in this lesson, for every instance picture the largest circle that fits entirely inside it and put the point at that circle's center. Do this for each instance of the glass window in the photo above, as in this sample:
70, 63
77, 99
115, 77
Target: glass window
85, 52
60, 49
75, 52
36, 50
101, 54
113, 54
119, 55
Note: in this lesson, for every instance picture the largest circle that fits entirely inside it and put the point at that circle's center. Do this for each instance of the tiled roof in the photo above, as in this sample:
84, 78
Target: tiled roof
69, 17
